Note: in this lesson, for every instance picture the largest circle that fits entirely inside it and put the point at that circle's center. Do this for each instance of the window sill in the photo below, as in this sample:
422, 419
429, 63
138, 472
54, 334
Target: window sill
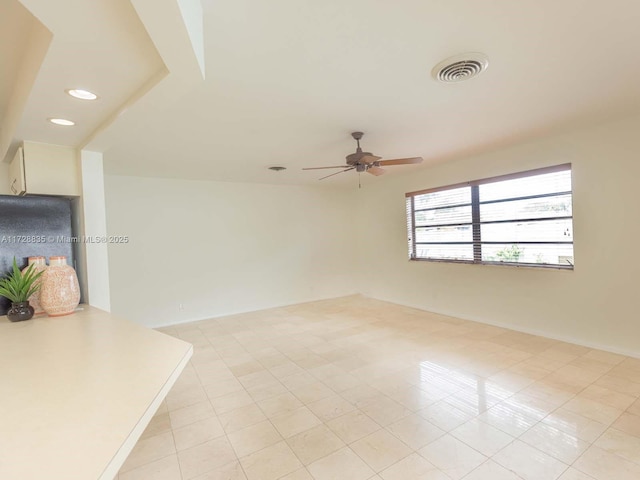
497, 264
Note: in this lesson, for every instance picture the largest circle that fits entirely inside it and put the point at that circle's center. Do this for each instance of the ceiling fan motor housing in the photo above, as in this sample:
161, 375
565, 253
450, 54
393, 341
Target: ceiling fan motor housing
354, 158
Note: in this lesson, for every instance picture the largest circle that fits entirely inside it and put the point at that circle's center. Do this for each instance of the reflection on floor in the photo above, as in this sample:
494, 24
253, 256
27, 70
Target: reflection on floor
356, 389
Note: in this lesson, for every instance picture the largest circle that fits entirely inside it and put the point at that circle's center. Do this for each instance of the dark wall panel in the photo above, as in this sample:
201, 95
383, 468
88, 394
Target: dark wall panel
32, 226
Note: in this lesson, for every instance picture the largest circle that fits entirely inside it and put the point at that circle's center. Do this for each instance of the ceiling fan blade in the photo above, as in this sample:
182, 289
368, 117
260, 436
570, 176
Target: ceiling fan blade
320, 168
337, 173
400, 161
376, 171
369, 159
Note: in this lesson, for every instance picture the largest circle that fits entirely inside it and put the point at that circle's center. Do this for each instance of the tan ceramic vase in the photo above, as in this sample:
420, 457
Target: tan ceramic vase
60, 292
40, 264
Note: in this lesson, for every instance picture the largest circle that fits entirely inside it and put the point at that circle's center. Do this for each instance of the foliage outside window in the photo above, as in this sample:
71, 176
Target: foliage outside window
519, 219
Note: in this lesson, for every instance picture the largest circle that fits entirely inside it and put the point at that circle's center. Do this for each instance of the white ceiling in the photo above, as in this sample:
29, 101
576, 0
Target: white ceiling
287, 80
15, 24
99, 46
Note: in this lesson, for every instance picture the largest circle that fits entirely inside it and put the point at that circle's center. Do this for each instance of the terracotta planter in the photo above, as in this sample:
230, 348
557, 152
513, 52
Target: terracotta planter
60, 292
20, 311
40, 264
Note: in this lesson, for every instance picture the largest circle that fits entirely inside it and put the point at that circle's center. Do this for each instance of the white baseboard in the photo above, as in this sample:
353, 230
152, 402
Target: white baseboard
518, 328
240, 312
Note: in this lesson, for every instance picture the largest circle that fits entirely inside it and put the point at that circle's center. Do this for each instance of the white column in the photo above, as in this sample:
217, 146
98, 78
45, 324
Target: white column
95, 225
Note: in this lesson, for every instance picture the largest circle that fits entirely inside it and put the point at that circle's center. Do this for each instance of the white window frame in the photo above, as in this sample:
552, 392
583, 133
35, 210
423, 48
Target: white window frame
476, 223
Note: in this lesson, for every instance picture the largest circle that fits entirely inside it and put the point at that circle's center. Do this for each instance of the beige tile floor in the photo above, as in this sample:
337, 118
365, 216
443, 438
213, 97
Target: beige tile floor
359, 389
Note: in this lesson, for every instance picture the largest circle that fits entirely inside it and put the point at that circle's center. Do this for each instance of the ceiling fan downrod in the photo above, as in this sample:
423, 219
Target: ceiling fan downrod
357, 136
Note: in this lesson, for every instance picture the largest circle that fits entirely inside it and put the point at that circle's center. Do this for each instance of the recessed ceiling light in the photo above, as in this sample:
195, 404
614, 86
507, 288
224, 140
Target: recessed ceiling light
82, 94
62, 121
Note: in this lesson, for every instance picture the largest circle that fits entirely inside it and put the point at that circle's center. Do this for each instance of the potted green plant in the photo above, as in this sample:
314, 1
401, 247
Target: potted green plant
18, 287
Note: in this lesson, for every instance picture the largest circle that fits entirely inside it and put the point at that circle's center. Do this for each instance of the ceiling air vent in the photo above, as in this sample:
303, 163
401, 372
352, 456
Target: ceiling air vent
460, 68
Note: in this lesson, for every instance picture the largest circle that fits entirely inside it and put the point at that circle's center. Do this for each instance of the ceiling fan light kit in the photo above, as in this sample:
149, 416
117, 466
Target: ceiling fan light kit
366, 161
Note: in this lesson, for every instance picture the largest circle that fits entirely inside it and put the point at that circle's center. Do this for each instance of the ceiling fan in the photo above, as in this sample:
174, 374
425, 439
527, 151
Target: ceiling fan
366, 161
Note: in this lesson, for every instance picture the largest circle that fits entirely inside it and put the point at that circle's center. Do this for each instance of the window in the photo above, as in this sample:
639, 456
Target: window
519, 219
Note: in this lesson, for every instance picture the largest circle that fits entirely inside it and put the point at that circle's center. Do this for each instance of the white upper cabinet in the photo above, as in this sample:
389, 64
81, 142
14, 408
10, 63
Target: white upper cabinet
43, 169
16, 174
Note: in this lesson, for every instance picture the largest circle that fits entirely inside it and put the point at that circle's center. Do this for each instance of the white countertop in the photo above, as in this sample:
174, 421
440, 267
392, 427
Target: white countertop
76, 392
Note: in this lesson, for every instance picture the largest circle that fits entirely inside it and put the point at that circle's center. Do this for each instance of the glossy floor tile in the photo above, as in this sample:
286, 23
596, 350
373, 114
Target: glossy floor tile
354, 388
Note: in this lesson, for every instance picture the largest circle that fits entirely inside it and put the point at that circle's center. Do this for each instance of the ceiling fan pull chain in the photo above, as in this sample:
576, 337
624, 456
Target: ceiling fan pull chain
359, 184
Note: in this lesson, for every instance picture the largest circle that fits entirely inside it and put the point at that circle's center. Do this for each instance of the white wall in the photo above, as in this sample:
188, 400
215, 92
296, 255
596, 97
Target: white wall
596, 304
219, 248
94, 224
